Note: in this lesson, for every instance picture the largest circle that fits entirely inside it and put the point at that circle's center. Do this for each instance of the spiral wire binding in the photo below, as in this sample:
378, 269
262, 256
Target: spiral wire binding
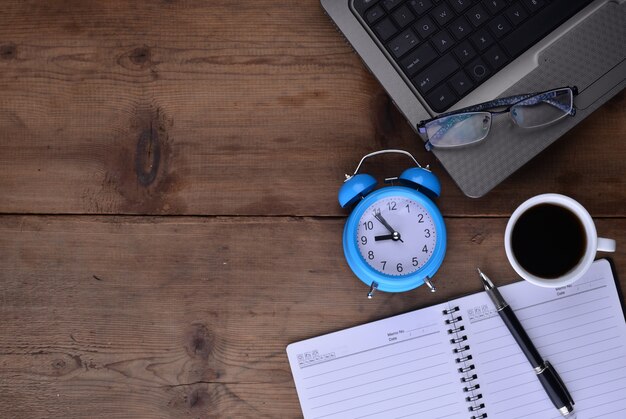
461, 349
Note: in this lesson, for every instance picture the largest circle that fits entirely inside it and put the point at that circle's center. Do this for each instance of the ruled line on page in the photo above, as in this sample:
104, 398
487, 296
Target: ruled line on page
483, 373
371, 349
550, 323
503, 327
518, 309
412, 361
581, 346
516, 396
376, 402
552, 344
541, 395
561, 298
576, 307
411, 404
372, 360
609, 413
603, 394
486, 372
595, 364
386, 378
605, 382
586, 377
588, 355
430, 410
526, 415
574, 327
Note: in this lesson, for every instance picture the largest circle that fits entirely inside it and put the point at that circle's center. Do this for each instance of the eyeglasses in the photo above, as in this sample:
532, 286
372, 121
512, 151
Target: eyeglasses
472, 124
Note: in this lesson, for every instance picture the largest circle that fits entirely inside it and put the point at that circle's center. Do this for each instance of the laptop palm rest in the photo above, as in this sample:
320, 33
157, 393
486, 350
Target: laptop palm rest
589, 56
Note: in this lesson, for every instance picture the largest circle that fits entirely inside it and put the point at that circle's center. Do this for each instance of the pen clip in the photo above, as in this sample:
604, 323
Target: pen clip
560, 381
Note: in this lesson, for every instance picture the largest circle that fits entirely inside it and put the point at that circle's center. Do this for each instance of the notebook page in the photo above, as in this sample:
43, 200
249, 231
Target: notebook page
579, 329
393, 368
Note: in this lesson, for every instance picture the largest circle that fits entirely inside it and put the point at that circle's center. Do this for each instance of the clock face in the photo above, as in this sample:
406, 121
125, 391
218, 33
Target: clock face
396, 236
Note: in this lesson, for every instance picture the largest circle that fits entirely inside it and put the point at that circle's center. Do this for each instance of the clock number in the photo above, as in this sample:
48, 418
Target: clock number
370, 255
426, 233
392, 205
369, 225
408, 208
363, 240
420, 218
415, 262
399, 267
425, 249
384, 262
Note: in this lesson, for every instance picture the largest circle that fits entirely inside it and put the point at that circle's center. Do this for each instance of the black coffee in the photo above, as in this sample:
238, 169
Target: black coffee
548, 240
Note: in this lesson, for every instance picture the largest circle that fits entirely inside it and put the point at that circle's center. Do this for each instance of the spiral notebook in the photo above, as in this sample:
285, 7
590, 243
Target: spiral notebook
458, 359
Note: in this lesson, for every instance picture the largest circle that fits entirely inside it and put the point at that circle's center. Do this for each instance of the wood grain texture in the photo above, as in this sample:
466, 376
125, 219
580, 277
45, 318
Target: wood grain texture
241, 117
189, 317
187, 107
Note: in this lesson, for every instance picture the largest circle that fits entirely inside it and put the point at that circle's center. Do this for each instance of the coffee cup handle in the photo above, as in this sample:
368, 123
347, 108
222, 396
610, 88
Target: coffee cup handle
606, 245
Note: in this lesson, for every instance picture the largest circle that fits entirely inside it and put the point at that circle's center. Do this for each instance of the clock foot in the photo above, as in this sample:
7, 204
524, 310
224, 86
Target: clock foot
428, 282
373, 289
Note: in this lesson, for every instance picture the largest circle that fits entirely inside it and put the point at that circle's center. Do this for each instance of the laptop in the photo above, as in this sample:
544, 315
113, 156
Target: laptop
435, 56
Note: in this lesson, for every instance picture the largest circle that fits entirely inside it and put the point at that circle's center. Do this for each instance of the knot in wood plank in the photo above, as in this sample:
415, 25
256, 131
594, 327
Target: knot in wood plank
199, 341
148, 156
8, 51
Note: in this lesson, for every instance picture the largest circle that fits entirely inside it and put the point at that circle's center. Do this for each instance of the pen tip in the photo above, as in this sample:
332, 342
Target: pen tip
485, 279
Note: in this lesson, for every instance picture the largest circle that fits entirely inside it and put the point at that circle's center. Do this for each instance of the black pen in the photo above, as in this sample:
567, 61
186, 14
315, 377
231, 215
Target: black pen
546, 374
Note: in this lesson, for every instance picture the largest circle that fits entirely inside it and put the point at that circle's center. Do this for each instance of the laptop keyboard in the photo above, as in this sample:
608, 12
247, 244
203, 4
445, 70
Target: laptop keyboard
447, 48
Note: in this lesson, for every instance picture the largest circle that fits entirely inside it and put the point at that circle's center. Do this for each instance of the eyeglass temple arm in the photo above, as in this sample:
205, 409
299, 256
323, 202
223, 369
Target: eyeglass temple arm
547, 98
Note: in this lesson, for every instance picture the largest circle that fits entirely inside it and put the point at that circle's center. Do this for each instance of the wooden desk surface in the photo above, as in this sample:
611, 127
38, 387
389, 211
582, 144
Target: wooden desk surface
169, 223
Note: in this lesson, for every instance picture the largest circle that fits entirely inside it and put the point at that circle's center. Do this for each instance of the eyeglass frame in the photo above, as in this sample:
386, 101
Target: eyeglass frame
508, 101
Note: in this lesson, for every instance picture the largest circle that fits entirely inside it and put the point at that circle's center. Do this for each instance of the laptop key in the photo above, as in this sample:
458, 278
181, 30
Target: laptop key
516, 14
442, 14
499, 26
436, 73
494, 6
420, 6
390, 4
460, 5
464, 52
403, 43
442, 40
482, 40
478, 70
385, 29
362, 5
403, 16
418, 59
533, 5
425, 27
461, 83
477, 15
374, 14
460, 28
495, 57
441, 98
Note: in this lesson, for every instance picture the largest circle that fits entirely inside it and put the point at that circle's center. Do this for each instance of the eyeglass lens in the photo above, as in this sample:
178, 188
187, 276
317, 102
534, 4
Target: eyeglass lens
458, 130
470, 127
543, 109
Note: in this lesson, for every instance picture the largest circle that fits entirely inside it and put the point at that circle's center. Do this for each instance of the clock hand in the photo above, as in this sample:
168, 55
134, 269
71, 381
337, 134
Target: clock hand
395, 237
384, 222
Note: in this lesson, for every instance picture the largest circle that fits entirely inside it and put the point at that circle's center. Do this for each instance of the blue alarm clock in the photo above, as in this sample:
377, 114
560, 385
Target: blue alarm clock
395, 238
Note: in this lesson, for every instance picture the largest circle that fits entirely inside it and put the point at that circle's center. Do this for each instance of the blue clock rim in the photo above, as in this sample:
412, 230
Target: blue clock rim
390, 283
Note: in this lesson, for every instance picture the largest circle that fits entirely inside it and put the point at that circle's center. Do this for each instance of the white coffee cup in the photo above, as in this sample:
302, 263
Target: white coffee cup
593, 243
